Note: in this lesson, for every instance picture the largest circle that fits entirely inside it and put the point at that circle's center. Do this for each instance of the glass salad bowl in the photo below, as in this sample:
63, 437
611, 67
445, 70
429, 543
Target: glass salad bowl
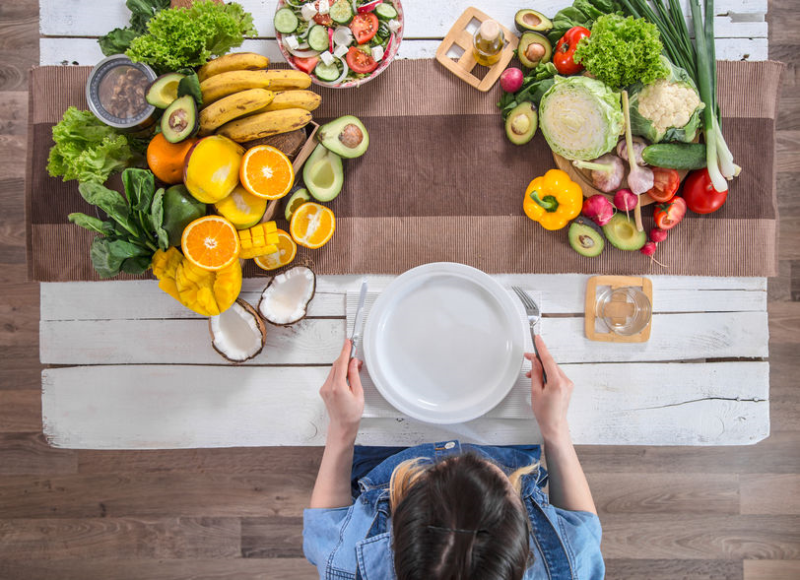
316, 37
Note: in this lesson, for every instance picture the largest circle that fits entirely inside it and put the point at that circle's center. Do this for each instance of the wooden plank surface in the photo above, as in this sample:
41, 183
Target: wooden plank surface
174, 406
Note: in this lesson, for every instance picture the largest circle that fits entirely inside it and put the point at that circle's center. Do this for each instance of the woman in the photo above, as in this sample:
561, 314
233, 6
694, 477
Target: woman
448, 511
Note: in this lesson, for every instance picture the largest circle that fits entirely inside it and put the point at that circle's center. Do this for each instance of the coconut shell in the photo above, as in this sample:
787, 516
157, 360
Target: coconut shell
259, 322
313, 293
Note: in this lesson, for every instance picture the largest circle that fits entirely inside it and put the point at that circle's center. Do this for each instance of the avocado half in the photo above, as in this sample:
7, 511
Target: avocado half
180, 120
533, 21
521, 123
586, 238
164, 90
534, 49
323, 174
622, 233
297, 199
346, 136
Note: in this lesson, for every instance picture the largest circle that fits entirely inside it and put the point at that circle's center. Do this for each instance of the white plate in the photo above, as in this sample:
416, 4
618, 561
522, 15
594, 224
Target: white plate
444, 343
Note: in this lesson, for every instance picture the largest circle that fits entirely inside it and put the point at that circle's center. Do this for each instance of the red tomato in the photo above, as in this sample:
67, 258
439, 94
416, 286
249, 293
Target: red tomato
700, 195
306, 64
668, 215
359, 61
665, 184
364, 27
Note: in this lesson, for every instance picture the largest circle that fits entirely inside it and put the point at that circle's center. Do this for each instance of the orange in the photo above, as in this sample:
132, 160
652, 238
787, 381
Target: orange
266, 172
210, 242
166, 159
312, 225
287, 250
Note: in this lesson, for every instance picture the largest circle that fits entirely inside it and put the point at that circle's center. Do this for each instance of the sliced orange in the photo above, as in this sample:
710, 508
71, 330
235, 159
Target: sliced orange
287, 250
266, 172
210, 242
312, 225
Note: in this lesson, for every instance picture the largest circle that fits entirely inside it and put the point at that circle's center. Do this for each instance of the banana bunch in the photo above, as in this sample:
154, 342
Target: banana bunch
243, 100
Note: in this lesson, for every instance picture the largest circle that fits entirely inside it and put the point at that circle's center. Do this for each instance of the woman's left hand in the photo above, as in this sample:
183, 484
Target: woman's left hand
345, 403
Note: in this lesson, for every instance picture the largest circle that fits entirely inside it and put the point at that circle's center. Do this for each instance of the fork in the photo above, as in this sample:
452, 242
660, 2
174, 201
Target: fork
534, 315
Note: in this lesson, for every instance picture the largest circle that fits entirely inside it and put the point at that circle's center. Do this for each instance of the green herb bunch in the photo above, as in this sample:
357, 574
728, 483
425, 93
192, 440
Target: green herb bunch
622, 51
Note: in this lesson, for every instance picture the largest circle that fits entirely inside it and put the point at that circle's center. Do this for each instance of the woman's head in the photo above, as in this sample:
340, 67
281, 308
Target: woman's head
457, 519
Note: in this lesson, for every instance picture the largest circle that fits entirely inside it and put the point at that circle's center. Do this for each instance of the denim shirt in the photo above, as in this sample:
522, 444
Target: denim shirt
354, 542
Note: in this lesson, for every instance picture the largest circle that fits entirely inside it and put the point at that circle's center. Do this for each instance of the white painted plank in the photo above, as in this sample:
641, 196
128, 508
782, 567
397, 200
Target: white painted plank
562, 293
159, 407
97, 17
674, 337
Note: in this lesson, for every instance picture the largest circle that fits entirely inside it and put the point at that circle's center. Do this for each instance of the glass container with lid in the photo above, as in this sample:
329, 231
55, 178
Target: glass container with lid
116, 92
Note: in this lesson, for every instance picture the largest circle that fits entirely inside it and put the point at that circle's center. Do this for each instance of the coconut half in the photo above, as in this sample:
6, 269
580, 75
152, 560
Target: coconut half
239, 333
286, 297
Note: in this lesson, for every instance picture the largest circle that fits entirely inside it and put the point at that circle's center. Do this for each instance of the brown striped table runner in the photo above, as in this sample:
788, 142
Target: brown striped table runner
440, 182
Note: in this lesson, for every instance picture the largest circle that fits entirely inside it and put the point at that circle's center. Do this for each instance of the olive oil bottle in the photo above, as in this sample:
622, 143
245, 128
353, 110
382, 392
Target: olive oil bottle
488, 43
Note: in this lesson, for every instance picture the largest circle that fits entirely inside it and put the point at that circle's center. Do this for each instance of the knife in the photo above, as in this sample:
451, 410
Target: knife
356, 335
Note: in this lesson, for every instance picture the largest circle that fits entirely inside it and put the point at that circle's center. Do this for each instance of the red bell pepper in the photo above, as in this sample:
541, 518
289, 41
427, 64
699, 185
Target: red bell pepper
563, 58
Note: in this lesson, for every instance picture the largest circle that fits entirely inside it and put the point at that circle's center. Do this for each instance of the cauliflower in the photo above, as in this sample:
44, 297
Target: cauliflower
666, 110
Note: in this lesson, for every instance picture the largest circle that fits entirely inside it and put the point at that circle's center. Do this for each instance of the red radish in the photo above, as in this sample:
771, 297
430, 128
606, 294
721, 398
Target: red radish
658, 235
330, 39
369, 6
649, 249
598, 209
511, 80
625, 200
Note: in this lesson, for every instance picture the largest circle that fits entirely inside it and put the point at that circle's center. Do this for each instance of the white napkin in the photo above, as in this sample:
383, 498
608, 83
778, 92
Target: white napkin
516, 405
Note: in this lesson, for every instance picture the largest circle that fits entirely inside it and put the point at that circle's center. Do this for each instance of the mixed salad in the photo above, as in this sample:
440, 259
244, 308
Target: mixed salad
339, 42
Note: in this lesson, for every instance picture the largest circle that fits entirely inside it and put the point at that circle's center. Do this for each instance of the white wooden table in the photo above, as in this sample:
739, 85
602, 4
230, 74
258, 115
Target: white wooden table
133, 369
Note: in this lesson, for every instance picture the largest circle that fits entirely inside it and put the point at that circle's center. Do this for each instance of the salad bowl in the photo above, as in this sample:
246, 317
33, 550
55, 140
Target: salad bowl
371, 28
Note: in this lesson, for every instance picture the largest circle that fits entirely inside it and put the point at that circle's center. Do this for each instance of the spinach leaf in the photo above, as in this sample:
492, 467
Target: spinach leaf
110, 202
92, 224
139, 187
104, 262
137, 265
190, 85
157, 219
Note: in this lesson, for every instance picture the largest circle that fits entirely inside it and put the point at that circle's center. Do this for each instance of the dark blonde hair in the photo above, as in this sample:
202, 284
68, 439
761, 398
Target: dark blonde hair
459, 518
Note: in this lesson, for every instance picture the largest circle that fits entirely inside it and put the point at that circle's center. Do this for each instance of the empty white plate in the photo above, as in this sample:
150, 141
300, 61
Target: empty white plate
444, 343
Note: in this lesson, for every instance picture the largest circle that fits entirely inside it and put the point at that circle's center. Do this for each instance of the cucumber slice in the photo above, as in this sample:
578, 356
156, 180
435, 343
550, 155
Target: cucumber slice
327, 72
285, 21
385, 11
318, 38
341, 12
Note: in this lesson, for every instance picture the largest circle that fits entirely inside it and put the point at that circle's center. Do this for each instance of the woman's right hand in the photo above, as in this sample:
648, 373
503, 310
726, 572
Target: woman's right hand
550, 402
344, 402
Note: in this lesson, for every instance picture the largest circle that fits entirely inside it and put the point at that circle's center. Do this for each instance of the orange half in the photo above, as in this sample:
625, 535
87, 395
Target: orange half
266, 172
287, 250
210, 242
312, 225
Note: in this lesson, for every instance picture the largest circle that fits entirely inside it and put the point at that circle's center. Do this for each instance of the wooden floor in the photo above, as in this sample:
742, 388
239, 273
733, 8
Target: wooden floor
667, 513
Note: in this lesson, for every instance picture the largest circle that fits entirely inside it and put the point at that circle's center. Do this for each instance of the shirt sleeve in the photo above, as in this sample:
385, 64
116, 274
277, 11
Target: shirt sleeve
582, 533
322, 529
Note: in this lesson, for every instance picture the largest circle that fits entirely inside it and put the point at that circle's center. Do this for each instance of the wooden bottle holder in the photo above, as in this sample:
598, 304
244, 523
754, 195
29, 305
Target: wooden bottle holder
460, 36
591, 299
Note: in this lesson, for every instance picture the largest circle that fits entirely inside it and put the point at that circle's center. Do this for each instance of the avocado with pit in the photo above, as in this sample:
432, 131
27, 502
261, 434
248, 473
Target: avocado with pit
297, 199
622, 233
323, 174
521, 123
180, 120
164, 90
534, 49
586, 238
533, 21
345, 136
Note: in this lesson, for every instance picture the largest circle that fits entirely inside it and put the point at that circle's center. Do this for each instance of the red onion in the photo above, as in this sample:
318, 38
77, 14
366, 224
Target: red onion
369, 6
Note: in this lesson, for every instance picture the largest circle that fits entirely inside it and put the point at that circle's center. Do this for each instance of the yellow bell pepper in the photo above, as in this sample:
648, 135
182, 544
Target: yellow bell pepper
553, 199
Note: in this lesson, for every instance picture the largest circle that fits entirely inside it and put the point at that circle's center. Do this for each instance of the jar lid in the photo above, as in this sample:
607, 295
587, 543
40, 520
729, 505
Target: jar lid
105, 84
489, 29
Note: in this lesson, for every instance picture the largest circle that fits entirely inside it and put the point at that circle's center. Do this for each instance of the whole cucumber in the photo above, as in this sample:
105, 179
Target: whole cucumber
676, 155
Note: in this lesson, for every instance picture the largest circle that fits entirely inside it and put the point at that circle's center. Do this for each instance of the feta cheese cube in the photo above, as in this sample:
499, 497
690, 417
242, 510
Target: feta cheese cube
340, 51
327, 57
394, 25
291, 41
324, 6
377, 53
308, 11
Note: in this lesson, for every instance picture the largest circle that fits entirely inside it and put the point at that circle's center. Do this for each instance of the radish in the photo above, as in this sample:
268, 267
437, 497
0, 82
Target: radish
369, 6
658, 235
626, 200
598, 209
649, 249
511, 80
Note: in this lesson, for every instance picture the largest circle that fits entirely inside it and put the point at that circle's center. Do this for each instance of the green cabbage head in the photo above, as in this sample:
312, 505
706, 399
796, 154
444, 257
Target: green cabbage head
668, 109
581, 118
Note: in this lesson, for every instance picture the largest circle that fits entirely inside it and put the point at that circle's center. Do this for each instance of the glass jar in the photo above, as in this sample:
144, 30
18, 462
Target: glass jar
488, 43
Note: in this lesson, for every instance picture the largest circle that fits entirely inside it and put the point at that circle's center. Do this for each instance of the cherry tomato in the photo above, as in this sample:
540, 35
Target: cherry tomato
668, 215
364, 27
306, 64
359, 61
665, 184
700, 195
